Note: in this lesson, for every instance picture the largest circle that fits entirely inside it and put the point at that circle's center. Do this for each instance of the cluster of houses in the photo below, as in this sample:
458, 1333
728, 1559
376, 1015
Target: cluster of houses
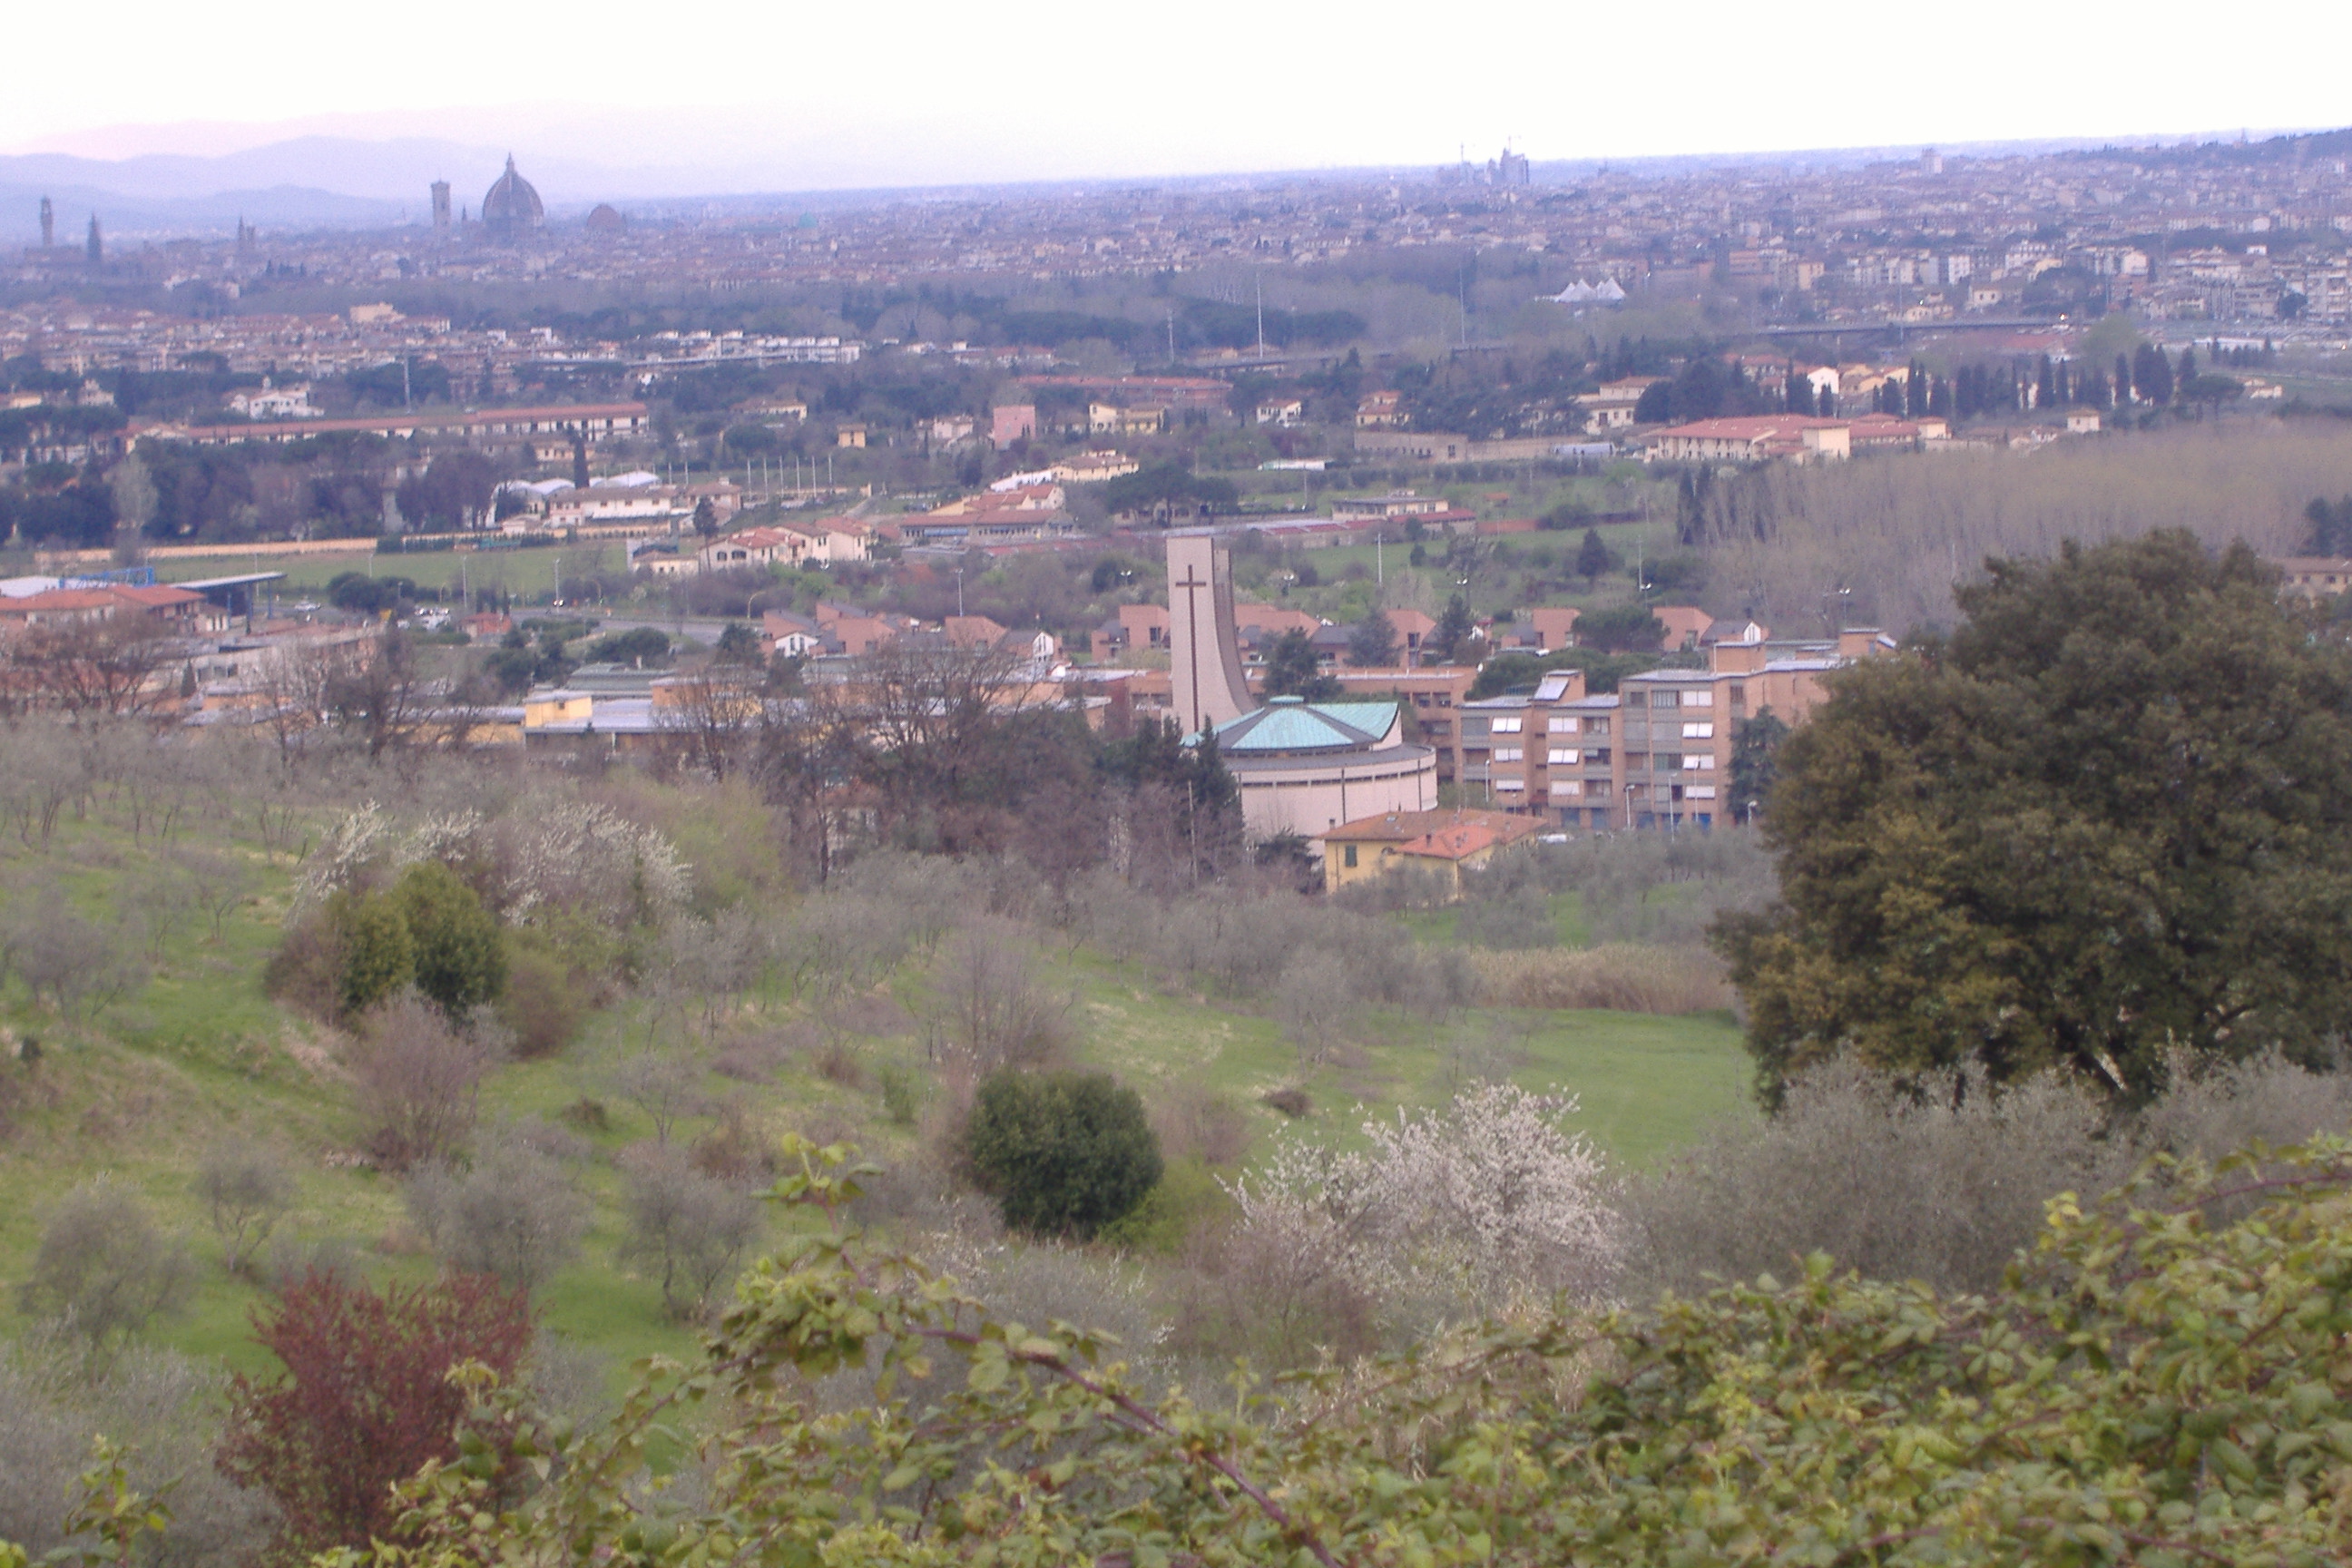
53, 603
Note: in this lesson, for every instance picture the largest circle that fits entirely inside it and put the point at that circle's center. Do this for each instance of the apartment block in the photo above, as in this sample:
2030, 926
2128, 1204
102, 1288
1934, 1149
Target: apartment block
1654, 753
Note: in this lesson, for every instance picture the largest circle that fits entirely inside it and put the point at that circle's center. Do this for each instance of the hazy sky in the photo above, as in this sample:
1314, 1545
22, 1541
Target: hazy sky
846, 93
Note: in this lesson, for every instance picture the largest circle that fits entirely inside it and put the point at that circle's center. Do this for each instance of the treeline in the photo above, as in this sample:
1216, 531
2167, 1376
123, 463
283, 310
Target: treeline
1198, 324
1885, 542
328, 486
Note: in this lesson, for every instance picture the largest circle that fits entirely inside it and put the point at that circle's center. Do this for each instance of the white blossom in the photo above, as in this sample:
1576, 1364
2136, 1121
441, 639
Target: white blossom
575, 855
1480, 1202
366, 835
591, 855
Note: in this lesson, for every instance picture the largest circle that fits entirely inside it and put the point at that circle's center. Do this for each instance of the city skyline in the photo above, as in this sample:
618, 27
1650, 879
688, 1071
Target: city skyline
1243, 91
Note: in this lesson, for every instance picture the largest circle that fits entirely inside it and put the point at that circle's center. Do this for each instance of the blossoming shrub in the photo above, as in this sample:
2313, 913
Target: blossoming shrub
1444, 1212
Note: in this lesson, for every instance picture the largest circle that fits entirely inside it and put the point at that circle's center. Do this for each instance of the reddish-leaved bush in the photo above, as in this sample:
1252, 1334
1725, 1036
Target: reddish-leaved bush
365, 1399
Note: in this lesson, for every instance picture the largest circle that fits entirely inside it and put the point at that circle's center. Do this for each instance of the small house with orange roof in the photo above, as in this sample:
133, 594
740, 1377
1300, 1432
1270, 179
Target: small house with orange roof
1441, 842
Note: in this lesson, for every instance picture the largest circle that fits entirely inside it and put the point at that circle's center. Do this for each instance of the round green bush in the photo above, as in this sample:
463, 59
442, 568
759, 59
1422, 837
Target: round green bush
460, 958
378, 958
1065, 1153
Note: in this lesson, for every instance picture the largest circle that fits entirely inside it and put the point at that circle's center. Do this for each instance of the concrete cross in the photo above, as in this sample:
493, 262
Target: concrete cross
1193, 583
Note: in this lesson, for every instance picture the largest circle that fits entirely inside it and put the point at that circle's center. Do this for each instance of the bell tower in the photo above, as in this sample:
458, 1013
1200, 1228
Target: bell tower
1205, 647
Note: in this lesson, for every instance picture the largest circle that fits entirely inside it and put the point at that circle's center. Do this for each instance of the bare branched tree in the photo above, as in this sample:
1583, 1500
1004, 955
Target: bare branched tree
712, 715
378, 697
219, 883
665, 1085
992, 1006
1318, 1003
103, 1269
419, 1081
40, 775
297, 692
687, 1229
515, 1214
94, 668
246, 1188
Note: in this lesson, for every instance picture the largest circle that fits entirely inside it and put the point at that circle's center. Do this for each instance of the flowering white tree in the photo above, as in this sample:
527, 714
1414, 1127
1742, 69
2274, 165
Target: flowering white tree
1487, 1199
576, 854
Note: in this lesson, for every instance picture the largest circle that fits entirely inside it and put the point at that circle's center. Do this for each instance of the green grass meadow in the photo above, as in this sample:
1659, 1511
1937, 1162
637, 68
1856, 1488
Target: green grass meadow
139, 1090
525, 574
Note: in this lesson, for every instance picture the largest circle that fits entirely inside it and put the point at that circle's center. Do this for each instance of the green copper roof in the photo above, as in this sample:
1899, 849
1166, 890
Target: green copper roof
1287, 724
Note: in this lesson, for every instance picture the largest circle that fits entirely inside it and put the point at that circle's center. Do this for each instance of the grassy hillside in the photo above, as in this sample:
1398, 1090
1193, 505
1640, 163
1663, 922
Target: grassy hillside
139, 1086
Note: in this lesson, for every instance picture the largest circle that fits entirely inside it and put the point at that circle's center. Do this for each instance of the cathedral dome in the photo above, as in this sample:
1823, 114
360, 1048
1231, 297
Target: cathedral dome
512, 207
606, 219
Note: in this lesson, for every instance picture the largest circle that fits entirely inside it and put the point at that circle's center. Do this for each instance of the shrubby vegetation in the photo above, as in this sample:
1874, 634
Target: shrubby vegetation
161, 1409
937, 949
2147, 1387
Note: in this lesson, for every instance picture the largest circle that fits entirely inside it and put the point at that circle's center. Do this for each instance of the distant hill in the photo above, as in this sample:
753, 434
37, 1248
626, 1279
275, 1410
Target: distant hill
308, 182
121, 215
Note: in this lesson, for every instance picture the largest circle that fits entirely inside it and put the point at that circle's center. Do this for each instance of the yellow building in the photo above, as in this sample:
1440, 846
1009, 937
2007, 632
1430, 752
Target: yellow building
1442, 842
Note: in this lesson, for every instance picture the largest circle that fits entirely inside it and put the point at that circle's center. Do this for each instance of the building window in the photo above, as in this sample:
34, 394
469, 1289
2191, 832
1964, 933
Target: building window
1563, 724
1698, 731
1699, 697
1738, 695
1596, 726
1509, 754
1348, 857
1665, 700
1636, 761
1565, 755
1507, 726
1699, 763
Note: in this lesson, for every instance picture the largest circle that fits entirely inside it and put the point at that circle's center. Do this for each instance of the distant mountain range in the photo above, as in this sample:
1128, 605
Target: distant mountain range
342, 181
309, 182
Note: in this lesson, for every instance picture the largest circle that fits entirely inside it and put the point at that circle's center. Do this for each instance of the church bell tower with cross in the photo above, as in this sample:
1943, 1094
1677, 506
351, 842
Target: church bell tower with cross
1203, 646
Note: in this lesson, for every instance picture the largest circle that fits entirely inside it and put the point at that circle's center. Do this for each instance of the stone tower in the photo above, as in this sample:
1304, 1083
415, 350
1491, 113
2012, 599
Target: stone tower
1204, 645
94, 247
440, 203
48, 225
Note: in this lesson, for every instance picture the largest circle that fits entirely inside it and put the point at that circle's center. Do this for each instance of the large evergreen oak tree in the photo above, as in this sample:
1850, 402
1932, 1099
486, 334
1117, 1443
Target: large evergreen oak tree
2110, 818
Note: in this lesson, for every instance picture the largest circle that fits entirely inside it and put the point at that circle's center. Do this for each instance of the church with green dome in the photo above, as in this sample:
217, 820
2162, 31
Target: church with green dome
1303, 767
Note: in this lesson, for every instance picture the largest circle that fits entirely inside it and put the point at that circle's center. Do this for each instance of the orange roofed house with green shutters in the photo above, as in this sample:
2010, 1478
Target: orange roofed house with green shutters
1442, 842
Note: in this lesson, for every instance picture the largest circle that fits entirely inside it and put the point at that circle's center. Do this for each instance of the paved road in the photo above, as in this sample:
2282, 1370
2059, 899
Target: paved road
703, 629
